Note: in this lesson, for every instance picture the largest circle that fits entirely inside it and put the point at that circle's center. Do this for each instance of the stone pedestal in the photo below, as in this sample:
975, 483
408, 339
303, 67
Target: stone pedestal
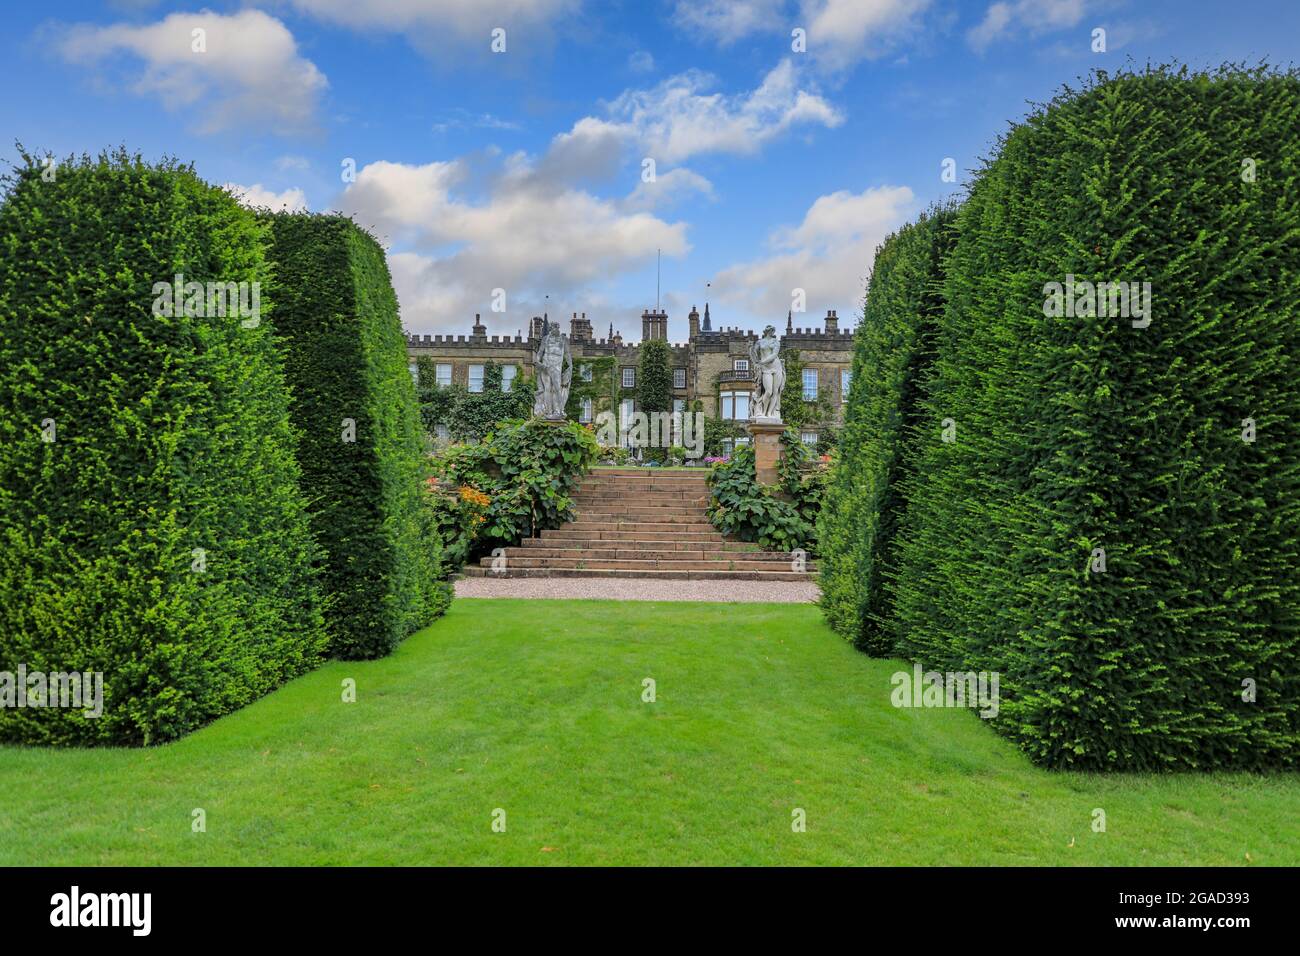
766, 436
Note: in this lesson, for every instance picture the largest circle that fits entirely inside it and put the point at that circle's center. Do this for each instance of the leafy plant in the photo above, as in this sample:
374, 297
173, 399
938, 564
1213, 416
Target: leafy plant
528, 469
739, 506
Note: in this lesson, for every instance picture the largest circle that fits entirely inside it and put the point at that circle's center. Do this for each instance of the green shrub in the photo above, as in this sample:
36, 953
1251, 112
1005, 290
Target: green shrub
160, 538
1079, 433
529, 470
866, 492
655, 386
802, 479
360, 444
718, 430
739, 506
457, 514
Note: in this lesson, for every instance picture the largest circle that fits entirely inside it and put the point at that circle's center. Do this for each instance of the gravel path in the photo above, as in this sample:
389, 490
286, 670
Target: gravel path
639, 589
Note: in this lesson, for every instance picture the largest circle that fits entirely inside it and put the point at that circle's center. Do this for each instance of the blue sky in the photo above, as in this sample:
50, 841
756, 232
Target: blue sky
524, 170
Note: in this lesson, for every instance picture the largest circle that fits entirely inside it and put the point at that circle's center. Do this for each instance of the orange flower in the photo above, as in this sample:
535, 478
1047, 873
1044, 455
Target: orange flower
474, 496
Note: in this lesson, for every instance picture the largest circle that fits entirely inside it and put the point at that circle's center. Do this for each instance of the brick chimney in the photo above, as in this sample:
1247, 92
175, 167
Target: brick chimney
832, 322
693, 323
480, 330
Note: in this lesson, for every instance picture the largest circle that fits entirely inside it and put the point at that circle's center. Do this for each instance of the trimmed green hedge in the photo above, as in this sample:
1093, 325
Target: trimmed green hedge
866, 496
1082, 439
160, 538
361, 443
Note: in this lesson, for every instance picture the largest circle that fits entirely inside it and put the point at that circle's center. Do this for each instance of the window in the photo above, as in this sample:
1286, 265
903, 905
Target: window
846, 377
679, 405
476, 378
586, 371
629, 377
808, 438
810, 385
415, 372
444, 374
679, 378
586, 414
508, 373
740, 365
728, 446
735, 406
442, 431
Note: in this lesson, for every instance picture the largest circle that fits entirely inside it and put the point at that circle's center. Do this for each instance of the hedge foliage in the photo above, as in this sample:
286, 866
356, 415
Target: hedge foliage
361, 441
151, 523
1116, 527
893, 351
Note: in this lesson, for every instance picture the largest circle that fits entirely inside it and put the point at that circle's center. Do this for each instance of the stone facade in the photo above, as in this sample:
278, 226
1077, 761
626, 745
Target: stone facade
711, 366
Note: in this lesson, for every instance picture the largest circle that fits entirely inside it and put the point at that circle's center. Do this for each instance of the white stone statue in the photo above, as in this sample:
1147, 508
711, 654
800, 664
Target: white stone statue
769, 373
553, 365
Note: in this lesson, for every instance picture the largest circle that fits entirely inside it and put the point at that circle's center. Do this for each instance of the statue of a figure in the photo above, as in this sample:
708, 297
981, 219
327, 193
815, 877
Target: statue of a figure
553, 365
769, 373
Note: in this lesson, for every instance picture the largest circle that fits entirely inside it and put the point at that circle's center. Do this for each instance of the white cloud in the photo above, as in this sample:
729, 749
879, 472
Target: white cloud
529, 236
828, 254
726, 21
641, 62
678, 118
463, 119
258, 196
668, 189
431, 24
250, 71
840, 32
1034, 17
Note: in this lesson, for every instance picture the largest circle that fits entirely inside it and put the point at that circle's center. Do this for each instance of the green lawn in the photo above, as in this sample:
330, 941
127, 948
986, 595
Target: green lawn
535, 707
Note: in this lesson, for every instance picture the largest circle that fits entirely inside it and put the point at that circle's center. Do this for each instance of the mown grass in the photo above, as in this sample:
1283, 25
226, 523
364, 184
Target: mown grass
534, 707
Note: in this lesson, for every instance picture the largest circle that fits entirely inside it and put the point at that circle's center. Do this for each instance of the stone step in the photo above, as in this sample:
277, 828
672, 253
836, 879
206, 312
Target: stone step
656, 487
695, 503
696, 513
476, 571
585, 525
641, 516
641, 542
586, 491
657, 473
569, 533
651, 553
629, 564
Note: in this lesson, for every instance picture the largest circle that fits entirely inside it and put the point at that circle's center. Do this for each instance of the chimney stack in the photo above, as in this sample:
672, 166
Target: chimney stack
580, 328
693, 323
832, 322
654, 325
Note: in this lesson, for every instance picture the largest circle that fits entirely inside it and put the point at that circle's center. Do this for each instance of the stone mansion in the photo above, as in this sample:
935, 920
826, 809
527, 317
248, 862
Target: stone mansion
711, 367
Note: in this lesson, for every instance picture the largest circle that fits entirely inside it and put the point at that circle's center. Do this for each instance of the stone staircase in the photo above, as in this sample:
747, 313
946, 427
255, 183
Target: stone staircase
641, 523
